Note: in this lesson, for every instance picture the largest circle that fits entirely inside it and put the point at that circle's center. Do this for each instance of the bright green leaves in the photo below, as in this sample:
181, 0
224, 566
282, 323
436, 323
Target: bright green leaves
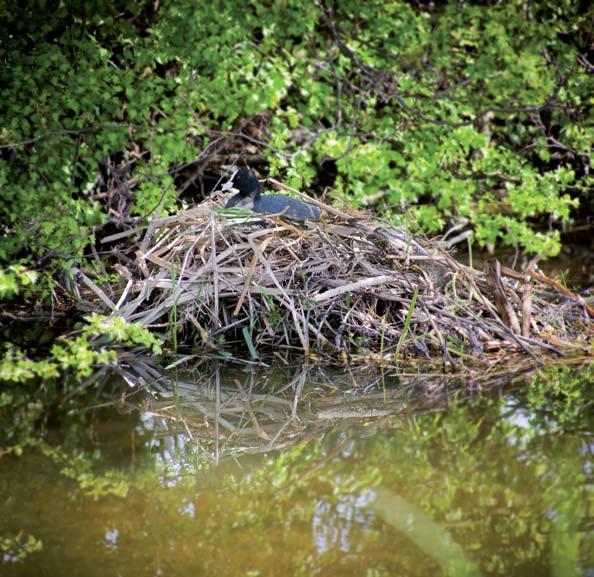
15, 279
80, 467
502, 51
18, 547
368, 169
381, 90
491, 229
538, 194
17, 368
116, 329
81, 355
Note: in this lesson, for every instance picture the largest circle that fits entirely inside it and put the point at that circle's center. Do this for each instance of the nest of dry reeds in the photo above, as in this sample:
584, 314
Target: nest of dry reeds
346, 285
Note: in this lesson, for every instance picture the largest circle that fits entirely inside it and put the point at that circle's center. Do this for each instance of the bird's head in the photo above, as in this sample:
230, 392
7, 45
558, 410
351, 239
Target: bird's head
246, 182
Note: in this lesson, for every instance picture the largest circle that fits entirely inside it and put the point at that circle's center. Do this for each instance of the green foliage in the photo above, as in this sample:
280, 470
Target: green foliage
446, 113
559, 392
14, 279
18, 547
31, 387
20, 415
17, 368
116, 329
79, 465
80, 355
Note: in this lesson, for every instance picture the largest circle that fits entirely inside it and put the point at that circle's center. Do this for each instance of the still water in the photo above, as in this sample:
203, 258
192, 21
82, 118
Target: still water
257, 472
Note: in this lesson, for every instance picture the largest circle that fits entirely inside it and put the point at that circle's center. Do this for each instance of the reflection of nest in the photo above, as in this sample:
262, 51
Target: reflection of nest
227, 410
341, 285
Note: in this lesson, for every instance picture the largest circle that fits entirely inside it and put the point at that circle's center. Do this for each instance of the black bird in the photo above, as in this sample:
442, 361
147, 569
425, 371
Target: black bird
250, 196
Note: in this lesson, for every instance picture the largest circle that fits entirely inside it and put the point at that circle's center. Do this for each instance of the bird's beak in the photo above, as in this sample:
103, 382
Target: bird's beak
229, 184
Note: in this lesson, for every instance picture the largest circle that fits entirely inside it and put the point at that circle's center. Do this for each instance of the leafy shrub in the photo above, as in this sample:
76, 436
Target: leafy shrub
80, 355
443, 114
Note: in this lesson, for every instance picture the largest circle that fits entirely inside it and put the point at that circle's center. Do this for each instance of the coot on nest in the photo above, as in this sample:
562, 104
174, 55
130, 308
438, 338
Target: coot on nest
250, 196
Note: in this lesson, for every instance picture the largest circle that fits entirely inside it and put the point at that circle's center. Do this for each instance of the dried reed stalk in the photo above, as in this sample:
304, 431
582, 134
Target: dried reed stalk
343, 285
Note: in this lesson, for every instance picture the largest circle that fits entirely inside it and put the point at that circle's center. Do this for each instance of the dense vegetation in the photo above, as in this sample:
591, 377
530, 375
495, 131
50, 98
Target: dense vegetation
447, 113
434, 114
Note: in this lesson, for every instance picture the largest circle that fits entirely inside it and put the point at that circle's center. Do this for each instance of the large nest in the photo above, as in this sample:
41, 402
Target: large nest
343, 286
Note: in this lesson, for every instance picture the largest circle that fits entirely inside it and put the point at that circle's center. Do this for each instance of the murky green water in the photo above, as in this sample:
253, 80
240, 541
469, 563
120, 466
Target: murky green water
312, 473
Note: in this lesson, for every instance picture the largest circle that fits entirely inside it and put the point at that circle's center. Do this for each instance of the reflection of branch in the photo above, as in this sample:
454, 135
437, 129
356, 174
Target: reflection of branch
427, 534
246, 401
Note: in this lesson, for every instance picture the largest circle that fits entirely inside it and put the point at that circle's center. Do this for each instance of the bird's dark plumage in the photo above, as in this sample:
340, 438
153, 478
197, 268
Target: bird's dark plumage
250, 196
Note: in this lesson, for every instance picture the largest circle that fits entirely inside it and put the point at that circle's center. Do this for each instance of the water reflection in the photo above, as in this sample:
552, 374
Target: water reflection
229, 412
342, 524
111, 539
252, 472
